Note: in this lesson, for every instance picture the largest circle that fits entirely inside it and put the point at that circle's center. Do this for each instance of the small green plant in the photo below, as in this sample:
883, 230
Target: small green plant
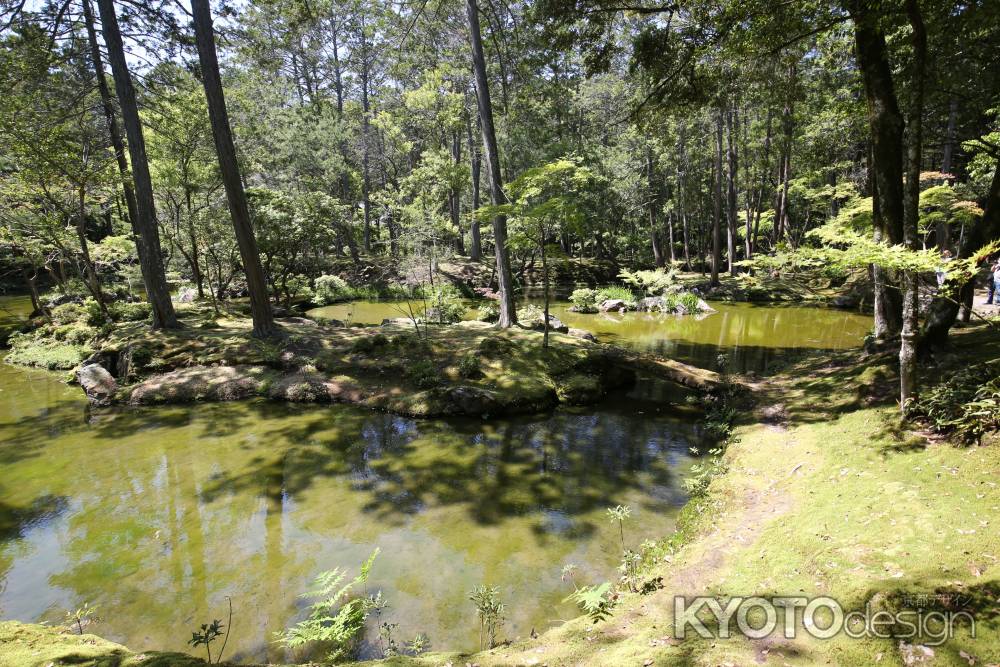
620, 513
584, 300
490, 609
208, 633
83, 615
468, 366
424, 374
335, 619
629, 564
569, 573
418, 644
595, 601
389, 646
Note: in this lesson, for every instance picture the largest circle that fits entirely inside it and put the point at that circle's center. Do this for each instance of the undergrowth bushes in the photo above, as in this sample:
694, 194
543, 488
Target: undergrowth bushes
965, 405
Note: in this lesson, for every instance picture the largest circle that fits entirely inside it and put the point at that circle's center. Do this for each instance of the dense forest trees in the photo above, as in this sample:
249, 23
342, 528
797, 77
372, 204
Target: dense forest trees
719, 136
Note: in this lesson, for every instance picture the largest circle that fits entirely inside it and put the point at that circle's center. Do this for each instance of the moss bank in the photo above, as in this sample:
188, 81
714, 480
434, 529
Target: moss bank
469, 368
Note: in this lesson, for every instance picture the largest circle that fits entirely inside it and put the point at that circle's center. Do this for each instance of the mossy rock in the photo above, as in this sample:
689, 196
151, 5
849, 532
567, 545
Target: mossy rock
579, 389
300, 388
201, 383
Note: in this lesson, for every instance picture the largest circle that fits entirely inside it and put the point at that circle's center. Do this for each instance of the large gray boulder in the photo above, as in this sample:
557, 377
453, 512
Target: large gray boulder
555, 324
98, 384
582, 333
652, 303
612, 304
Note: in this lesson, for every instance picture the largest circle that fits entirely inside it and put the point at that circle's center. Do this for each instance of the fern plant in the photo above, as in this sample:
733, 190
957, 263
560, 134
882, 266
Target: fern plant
336, 619
596, 601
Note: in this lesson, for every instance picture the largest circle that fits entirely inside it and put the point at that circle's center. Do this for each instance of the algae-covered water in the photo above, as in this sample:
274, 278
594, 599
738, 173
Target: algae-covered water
157, 515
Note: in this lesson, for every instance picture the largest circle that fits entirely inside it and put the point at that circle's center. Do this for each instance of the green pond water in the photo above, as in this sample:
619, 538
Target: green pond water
752, 336
157, 515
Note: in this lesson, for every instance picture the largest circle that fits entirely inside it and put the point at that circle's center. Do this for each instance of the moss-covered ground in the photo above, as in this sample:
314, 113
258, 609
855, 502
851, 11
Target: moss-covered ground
422, 371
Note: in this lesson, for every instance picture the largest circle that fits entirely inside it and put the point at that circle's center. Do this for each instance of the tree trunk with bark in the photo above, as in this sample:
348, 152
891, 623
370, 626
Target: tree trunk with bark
886, 126
260, 307
654, 236
717, 203
508, 314
110, 116
732, 129
914, 148
475, 166
148, 235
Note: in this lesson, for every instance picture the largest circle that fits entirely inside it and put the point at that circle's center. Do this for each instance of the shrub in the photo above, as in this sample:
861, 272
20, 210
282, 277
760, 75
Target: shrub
92, 312
966, 405
68, 313
402, 291
489, 312
652, 283
495, 346
468, 366
616, 292
445, 305
424, 374
331, 289
130, 312
688, 301
584, 300
529, 314
77, 333
369, 344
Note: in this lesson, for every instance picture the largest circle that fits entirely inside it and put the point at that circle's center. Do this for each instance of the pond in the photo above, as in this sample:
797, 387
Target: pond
158, 515
752, 336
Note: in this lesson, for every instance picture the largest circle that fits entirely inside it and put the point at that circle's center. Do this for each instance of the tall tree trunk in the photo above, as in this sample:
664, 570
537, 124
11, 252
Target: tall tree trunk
914, 148
508, 314
110, 116
148, 235
948, 148
455, 195
365, 137
788, 127
732, 128
886, 124
338, 83
717, 202
681, 204
93, 282
475, 166
654, 236
260, 307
